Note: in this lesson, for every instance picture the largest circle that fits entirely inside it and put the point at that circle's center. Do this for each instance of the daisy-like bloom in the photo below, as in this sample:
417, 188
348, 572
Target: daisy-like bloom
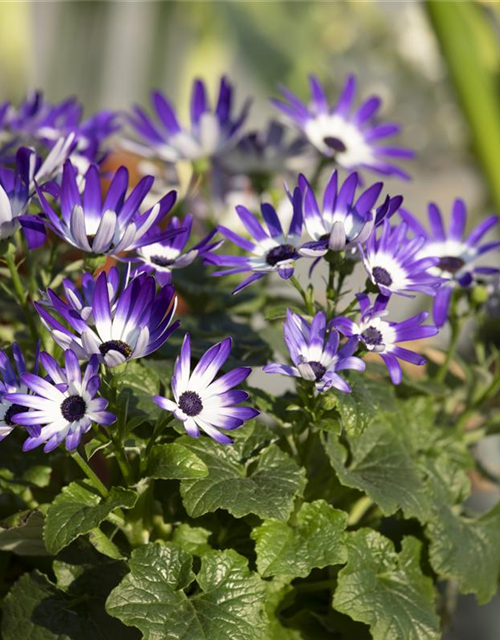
160, 258
37, 170
15, 197
381, 336
351, 137
457, 253
211, 131
272, 250
342, 222
394, 265
81, 301
107, 227
64, 405
124, 326
200, 402
315, 352
11, 382
38, 122
269, 151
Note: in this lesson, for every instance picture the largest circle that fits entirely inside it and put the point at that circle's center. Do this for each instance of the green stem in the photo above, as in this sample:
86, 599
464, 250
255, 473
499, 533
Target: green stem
358, 510
53, 254
123, 461
317, 173
31, 261
491, 390
121, 457
308, 304
350, 307
330, 289
20, 295
455, 323
159, 427
307, 449
90, 473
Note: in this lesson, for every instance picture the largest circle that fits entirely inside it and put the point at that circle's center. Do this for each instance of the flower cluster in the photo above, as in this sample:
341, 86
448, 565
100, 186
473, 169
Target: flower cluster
51, 185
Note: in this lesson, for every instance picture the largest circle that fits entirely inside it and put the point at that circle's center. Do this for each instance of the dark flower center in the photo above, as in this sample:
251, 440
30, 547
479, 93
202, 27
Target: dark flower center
318, 369
371, 336
73, 408
11, 411
451, 264
382, 276
161, 261
190, 403
281, 253
334, 143
116, 345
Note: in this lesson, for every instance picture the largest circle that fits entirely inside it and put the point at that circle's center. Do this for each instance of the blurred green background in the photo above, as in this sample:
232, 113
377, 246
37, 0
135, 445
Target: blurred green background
435, 64
111, 54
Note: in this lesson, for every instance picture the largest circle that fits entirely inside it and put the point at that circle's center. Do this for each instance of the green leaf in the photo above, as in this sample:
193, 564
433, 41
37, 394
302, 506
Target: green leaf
136, 385
193, 540
473, 72
360, 408
315, 540
100, 541
93, 446
21, 470
466, 549
38, 610
279, 313
175, 462
25, 538
277, 592
78, 509
380, 466
387, 590
228, 603
264, 485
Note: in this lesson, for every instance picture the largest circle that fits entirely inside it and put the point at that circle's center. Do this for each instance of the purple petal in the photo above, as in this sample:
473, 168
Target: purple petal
199, 102
393, 367
458, 220
166, 113
346, 97
441, 305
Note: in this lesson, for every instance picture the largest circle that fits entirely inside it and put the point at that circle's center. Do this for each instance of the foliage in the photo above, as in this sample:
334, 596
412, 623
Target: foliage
169, 506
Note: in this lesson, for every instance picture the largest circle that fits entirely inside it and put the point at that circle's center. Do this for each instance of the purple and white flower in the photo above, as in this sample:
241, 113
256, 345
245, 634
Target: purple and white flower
38, 122
342, 223
107, 227
211, 132
272, 250
64, 405
15, 197
381, 336
457, 253
120, 327
11, 382
200, 402
267, 151
161, 258
351, 137
394, 265
315, 352
81, 301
